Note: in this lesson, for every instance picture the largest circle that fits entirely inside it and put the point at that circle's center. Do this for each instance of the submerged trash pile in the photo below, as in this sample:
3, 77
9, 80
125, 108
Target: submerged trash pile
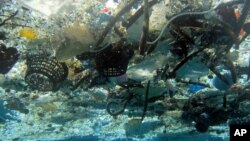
124, 68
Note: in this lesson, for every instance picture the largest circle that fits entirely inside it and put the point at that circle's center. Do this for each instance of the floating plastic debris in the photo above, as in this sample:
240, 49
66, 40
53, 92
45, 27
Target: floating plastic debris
195, 88
84, 73
8, 57
46, 8
113, 62
45, 73
28, 33
73, 40
221, 85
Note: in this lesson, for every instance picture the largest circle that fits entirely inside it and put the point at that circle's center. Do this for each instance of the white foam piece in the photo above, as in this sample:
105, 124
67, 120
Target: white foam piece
111, 4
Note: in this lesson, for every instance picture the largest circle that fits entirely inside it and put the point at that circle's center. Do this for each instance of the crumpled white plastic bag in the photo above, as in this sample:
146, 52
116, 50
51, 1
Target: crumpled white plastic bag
46, 7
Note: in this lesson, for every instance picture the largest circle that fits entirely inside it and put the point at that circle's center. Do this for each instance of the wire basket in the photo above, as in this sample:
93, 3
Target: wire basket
113, 62
45, 73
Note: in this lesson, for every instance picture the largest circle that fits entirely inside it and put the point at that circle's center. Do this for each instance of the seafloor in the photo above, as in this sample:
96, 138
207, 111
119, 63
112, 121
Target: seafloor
27, 114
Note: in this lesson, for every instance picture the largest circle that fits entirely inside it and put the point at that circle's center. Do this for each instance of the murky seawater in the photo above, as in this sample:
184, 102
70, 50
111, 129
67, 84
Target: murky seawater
160, 70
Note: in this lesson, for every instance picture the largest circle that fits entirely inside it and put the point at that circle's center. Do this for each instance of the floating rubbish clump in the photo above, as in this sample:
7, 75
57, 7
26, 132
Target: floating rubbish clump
123, 69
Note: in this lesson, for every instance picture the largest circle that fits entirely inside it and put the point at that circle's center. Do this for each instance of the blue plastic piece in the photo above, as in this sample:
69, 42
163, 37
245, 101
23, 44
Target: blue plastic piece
195, 88
4, 113
248, 75
78, 138
171, 93
221, 85
104, 18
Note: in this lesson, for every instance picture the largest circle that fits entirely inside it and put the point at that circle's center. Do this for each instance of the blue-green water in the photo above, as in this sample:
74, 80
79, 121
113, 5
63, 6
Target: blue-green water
78, 70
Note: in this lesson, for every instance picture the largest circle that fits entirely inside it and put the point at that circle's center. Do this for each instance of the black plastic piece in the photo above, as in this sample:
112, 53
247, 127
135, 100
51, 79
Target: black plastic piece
2, 35
8, 58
